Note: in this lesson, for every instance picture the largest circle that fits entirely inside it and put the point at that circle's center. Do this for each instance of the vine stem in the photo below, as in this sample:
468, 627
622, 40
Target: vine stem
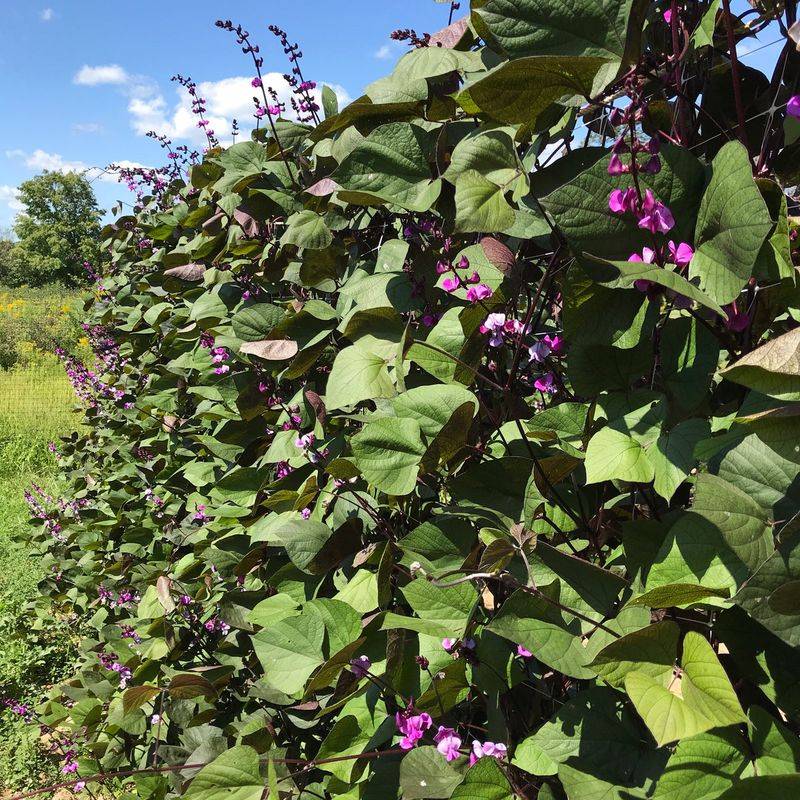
130, 773
737, 88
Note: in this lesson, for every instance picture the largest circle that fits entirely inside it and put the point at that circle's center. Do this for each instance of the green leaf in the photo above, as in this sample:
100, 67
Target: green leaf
484, 781
764, 787
770, 595
703, 766
676, 594
313, 547
357, 375
554, 638
391, 165
243, 162
239, 486
424, 774
624, 274
446, 343
651, 651
732, 224
442, 612
580, 207
307, 229
432, 406
518, 91
772, 369
256, 322
491, 153
672, 456
481, 205
689, 357
330, 102
718, 544
613, 455
440, 545
766, 471
702, 699
592, 731
363, 724
777, 748
538, 27
235, 775
703, 35
290, 650
137, 696
388, 453
497, 487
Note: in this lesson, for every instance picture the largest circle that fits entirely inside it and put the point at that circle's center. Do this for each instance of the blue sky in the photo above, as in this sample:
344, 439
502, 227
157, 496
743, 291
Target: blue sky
82, 80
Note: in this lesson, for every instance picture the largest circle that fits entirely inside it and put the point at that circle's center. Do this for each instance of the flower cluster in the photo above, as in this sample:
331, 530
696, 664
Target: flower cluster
651, 214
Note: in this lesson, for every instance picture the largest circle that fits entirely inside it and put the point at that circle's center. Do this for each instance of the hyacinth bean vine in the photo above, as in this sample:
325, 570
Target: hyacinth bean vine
446, 444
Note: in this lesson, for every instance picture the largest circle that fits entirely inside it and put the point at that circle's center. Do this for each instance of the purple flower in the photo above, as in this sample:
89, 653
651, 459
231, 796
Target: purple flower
655, 216
681, 254
615, 166
491, 749
668, 16
478, 293
648, 256
450, 284
737, 321
360, 666
305, 513
652, 166
448, 644
793, 106
413, 728
496, 325
620, 201
538, 352
523, 652
305, 441
447, 743
555, 343
546, 383
256, 83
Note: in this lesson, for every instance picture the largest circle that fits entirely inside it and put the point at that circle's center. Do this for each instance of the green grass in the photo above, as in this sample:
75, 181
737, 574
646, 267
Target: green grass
35, 409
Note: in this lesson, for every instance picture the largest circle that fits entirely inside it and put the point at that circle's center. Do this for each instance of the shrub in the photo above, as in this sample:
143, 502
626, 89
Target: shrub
420, 441
34, 322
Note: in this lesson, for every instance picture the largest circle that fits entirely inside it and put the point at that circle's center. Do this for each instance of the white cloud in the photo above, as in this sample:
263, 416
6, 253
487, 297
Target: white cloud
47, 15
9, 195
40, 160
389, 51
87, 127
112, 74
226, 99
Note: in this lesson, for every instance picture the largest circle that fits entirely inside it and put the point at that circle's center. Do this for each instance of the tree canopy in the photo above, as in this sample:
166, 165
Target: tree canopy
58, 232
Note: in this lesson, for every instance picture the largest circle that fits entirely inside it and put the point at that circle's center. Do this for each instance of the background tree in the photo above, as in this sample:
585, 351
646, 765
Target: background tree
57, 232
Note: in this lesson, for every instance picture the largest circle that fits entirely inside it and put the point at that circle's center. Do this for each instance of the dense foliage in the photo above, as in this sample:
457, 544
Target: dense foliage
57, 233
447, 445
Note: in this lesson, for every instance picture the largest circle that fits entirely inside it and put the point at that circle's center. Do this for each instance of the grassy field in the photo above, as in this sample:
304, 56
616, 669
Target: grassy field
34, 321
35, 409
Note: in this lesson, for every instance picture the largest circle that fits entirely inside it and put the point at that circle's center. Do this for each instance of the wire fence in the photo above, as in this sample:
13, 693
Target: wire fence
36, 398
